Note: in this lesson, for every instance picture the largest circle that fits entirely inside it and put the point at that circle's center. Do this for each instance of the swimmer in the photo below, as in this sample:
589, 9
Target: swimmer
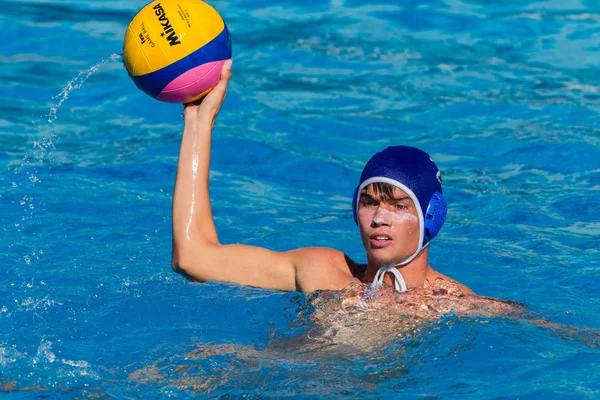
398, 206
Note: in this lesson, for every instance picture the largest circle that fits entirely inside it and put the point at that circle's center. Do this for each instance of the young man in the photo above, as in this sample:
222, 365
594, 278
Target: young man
398, 207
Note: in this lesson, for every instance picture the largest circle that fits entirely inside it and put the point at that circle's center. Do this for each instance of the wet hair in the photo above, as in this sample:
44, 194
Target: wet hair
382, 189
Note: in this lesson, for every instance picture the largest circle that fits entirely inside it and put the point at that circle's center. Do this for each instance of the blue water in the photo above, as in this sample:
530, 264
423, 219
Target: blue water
504, 95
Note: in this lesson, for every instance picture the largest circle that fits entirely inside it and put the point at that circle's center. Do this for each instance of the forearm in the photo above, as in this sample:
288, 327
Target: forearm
193, 223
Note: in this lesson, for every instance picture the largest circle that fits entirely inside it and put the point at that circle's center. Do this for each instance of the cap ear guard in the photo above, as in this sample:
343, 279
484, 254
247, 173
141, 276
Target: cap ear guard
434, 216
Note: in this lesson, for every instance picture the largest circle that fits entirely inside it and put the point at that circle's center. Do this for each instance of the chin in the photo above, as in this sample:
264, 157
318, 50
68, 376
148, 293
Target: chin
385, 257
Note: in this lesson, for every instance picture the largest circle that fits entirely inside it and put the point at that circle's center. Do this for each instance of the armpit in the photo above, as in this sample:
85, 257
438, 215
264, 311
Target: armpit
358, 270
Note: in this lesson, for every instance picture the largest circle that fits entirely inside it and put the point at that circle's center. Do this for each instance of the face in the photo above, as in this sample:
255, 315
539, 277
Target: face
389, 226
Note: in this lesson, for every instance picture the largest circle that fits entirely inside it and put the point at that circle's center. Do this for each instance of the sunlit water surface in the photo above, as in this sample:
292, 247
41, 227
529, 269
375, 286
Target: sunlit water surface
504, 95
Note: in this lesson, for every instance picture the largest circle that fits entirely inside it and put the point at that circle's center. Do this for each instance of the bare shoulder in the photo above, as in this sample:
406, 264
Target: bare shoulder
317, 253
321, 268
463, 289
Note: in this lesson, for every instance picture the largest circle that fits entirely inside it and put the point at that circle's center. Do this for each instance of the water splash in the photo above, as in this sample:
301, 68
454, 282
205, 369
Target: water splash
43, 146
77, 83
46, 142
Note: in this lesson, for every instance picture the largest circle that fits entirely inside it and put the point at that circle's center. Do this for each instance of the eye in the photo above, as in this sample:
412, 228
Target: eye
368, 203
401, 207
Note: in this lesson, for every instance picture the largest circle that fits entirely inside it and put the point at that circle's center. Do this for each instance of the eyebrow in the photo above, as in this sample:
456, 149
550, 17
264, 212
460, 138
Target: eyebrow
368, 196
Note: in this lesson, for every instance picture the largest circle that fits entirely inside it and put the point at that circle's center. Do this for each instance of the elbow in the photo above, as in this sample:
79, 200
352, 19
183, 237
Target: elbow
187, 266
175, 260
176, 265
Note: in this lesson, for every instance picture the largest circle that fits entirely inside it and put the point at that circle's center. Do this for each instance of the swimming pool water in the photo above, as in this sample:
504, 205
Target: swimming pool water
504, 95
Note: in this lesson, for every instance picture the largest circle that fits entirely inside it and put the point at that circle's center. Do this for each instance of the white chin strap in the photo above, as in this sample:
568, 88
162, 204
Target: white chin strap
399, 283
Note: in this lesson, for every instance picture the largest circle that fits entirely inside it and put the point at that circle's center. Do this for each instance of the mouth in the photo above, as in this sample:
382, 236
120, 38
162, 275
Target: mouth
379, 240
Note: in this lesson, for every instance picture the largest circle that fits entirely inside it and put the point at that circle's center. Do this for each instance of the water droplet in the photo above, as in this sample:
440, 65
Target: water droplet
14, 184
4, 309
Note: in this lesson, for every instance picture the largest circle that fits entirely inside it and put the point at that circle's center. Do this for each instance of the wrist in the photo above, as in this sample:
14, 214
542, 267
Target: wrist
205, 122
198, 123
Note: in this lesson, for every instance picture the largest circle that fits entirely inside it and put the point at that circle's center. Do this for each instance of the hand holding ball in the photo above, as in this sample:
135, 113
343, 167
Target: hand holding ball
174, 50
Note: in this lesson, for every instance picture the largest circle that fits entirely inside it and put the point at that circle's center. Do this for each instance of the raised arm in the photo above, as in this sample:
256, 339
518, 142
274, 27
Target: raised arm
197, 252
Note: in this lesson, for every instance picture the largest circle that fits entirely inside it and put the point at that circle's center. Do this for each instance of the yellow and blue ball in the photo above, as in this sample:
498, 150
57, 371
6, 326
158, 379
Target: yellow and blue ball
174, 50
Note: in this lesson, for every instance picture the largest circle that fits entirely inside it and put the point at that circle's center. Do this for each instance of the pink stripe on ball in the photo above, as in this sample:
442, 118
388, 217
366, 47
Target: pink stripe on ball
192, 82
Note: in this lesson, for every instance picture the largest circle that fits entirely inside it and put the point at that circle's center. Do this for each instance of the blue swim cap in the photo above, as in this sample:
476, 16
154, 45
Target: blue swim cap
413, 171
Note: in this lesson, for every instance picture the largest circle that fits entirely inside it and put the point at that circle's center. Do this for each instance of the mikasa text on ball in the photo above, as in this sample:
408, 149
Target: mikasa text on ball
174, 50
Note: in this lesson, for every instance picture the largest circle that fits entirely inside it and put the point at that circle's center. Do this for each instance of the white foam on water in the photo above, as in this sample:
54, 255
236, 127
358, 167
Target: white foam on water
8, 354
44, 353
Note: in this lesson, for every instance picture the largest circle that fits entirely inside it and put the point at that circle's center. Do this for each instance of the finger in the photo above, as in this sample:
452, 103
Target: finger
225, 75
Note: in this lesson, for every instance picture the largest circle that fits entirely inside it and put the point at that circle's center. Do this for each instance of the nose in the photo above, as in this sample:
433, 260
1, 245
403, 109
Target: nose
381, 217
